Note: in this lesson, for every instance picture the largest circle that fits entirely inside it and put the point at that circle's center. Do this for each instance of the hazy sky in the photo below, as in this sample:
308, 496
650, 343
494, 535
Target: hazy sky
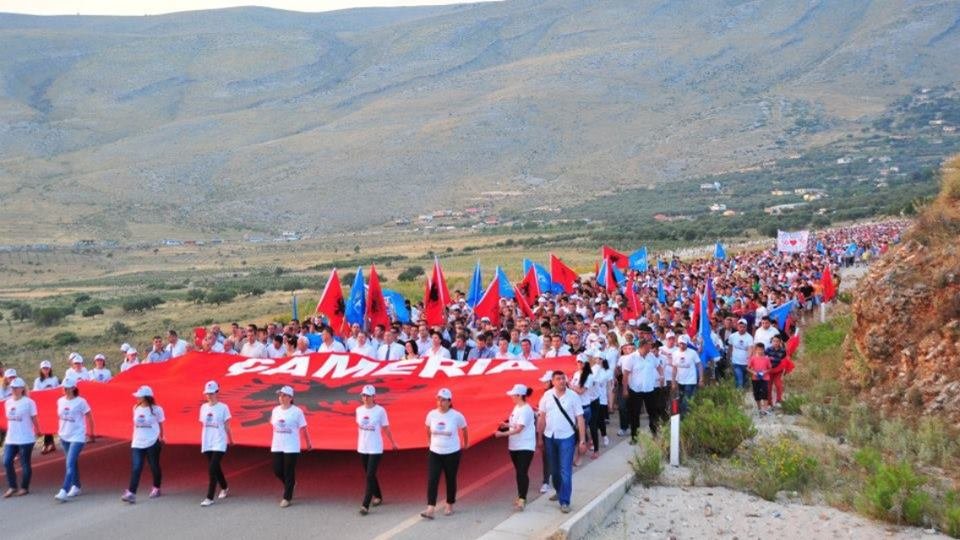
143, 7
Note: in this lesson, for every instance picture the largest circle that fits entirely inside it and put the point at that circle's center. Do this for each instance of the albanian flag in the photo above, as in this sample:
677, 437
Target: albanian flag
562, 274
327, 388
489, 304
376, 306
528, 287
620, 260
331, 303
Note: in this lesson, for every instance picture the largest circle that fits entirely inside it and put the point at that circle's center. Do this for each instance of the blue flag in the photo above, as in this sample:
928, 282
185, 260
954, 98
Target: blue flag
357, 302
782, 313
661, 294
506, 289
396, 306
820, 249
544, 281
719, 252
708, 350
851, 249
617, 274
661, 265
476, 287
638, 260
296, 312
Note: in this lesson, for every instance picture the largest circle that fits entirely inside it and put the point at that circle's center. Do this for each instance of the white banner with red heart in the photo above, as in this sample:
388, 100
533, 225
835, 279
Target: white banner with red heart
792, 241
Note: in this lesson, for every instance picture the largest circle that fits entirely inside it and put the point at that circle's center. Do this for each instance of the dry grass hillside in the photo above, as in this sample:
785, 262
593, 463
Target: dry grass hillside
906, 358
256, 121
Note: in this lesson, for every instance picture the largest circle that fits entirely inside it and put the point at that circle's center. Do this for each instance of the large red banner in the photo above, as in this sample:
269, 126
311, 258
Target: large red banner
327, 389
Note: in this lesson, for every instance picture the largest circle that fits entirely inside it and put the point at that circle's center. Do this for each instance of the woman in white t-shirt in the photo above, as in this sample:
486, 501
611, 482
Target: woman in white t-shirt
522, 432
445, 426
372, 424
215, 435
22, 429
436, 351
76, 429
100, 373
147, 442
46, 379
585, 384
288, 423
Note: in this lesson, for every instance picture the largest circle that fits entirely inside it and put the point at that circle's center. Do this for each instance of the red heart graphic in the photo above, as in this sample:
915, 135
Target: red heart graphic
793, 242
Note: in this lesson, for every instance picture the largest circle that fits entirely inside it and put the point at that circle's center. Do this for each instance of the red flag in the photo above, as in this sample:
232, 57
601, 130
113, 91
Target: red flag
614, 256
529, 287
432, 306
441, 282
695, 321
331, 303
632, 309
376, 312
826, 281
522, 303
793, 344
562, 274
489, 304
610, 280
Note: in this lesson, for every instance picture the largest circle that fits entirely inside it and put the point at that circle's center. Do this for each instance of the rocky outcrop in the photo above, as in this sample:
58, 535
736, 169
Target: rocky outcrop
905, 357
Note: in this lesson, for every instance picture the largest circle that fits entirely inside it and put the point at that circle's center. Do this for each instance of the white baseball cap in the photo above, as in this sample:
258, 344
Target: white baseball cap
99, 356
742, 321
45, 364
547, 376
211, 387
143, 391
10, 372
518, 390
18, 383
75, 358
70, 382
670, 335
684, 340
368, 390
131, 351
582, 357
632, 322
288, 390
125, 347
445, 393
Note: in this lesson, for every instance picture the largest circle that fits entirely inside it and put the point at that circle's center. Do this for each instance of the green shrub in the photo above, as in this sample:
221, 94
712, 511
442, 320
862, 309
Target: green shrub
49, 316
290, 285
647, 461
892, 492
92, 311
220, 296
950, 520
825, 337
196, 296
80, 298
935, 441
36, 344
782, 465
709, 428
722, 395
254, 291
411, 273
136, 305
793, 404
863, 425
117, 330
828, 416
62, 339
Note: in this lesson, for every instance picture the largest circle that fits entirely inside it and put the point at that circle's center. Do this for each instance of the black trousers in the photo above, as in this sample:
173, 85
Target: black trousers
448, 464
604, 417
215, 472
152, 456
521, 465
370, 464
595, 421
285, 469
649, 401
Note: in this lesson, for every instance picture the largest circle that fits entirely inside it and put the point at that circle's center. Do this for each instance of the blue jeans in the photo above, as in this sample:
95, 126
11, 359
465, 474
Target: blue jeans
686, 392
740, 375
152, 456
560, 453
10, 452
72, 452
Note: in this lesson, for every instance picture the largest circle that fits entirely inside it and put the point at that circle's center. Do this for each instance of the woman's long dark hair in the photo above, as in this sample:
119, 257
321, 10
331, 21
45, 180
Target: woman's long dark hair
585, 373
150, 402
45, 377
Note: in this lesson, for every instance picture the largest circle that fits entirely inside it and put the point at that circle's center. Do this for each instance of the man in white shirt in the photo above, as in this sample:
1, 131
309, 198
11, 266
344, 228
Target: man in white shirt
666, 362
329, 344
536, 344
390, 351
688, 372
276, 349
557, 348
740, 343
526, 351
423, 339
252, 348
175, 346
765, 333
363, 346
558, 413
642, 375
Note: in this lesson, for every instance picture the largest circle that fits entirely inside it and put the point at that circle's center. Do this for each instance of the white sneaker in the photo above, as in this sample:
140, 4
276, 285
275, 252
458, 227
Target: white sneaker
206, 502
606, 441
61, 496
620, 433
223, 493
544, 488
74, 491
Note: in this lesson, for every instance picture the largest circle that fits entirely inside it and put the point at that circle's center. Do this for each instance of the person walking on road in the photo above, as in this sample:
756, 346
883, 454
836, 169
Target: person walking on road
372, 425
76, 430
215, 435
521, 431
445, 427
147, 442
288, 423
22, 430
560, 428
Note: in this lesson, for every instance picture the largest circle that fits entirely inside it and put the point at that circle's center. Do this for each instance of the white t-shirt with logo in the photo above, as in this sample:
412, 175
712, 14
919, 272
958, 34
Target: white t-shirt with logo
213, 418
526, 439
50, 382
590, 392
686, 363
100, 375
741, 344
445, 430
20, 414
286, 429
370, 422
146, 426
73, 421
666, 362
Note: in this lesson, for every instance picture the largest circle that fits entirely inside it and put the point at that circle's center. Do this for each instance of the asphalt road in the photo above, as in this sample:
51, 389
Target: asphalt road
326, 501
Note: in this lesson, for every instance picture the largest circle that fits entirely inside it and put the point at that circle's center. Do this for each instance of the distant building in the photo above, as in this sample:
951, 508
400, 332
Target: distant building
781, 208
730, 213
844, 161
718, 207
779, 193
810, 191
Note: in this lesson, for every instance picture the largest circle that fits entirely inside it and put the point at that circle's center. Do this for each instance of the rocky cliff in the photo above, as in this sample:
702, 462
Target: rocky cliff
905, 357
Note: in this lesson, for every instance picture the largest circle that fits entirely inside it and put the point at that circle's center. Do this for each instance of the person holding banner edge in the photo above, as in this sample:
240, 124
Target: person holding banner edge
522, 432
372, 424
288, 423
